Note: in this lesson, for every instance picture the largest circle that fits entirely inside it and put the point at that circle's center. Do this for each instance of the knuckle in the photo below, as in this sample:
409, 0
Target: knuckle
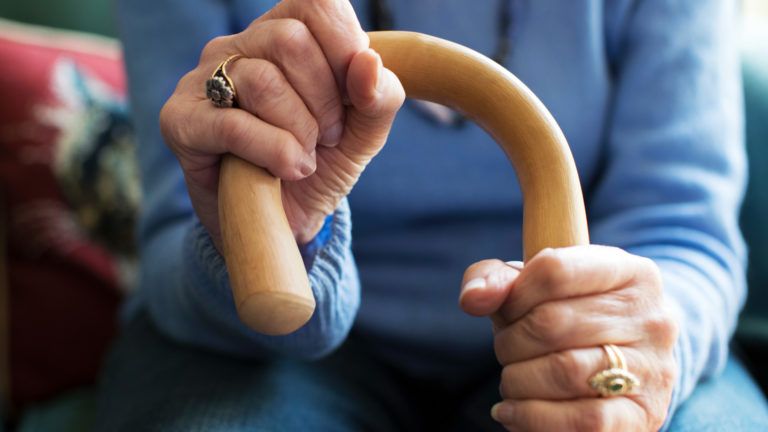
648, 264
267, 83
385, 107
214, 48
253, 23
341, 14
233, 132
321, 4
651, 272
564, 368
496, 273
551, 269
291, 38
285, 157
326, 6
544, 324
168, 126
396, 97
662, 328
172, 124
478, 267
190, 79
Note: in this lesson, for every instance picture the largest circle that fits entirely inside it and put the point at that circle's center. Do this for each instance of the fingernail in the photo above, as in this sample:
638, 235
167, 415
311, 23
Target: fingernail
332, 135
308, 164
495, 411
477, 283
517, 265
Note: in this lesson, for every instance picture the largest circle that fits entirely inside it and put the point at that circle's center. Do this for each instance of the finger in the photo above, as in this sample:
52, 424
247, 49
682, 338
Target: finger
263, 90
375, 94
486, 285
262, 144
334, 25
562, 375
290, 45
591, 414
197, 130
577, 271
577, 323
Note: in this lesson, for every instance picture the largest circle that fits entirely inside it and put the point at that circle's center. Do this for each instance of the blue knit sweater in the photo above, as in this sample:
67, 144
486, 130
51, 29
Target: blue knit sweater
647, 94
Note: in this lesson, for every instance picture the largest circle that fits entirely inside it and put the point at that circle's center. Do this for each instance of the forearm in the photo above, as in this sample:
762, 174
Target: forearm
184, 282
703, 285
186, 289
676, 170
705, 294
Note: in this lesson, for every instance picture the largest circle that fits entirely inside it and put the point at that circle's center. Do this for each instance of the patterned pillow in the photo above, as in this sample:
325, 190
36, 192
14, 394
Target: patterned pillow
69, 193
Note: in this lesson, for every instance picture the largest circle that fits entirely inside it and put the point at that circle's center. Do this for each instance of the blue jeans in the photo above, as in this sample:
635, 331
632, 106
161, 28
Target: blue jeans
153, 384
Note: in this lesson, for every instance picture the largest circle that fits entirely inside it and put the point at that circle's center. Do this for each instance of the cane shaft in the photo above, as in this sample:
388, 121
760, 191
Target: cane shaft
269, 281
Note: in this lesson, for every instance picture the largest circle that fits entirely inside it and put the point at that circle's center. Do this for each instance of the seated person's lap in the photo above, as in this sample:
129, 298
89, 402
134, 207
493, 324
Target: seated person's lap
151, 383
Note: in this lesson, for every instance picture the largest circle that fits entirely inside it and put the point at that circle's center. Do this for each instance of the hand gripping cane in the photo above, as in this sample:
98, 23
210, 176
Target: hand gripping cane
269, 282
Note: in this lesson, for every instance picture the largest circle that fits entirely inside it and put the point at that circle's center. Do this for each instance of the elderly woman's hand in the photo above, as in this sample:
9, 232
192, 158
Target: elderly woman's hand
550, 321
306, 77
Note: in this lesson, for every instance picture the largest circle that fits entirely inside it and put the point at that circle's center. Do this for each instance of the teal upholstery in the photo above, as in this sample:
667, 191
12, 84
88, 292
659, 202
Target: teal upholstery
753, 326
93, 16
70, 412
755, 211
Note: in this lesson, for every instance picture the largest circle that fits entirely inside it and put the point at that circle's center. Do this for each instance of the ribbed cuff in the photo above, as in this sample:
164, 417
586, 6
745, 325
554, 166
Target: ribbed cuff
332, 275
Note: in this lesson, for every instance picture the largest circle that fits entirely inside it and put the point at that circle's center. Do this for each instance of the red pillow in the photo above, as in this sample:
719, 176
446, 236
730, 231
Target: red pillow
69, 193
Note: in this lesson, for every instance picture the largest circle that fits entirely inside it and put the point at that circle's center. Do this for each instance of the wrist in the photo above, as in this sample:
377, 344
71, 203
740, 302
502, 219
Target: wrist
309, 229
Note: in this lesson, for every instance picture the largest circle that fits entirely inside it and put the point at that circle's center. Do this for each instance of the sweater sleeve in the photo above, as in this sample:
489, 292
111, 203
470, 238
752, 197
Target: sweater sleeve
675, 169
199, 308
184, 284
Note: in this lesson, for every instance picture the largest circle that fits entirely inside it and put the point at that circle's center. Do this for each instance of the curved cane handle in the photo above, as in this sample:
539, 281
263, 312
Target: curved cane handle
269, 282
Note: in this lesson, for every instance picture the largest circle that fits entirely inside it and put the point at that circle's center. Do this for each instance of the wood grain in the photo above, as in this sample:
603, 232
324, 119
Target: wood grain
269, 281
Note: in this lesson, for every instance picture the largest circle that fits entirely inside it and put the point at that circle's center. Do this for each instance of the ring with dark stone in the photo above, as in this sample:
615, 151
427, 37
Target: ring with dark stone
219, 88
616, 380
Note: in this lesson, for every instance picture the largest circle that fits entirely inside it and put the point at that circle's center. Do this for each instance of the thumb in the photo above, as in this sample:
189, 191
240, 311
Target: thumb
375, 95
486, 285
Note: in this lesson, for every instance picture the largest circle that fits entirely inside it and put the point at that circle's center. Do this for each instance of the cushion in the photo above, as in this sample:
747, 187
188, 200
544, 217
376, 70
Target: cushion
752, 333
755, 211
72, 411
69, 192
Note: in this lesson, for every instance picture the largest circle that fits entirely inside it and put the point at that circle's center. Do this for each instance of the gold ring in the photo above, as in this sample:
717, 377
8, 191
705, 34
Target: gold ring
219, 88
616, 380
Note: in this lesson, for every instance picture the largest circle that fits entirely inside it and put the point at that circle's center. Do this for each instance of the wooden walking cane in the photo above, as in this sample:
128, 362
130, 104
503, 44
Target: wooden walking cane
269, 282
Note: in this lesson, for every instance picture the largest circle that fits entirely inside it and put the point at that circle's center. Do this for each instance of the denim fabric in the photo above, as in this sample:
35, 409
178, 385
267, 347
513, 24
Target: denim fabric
154, 384
730, 402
